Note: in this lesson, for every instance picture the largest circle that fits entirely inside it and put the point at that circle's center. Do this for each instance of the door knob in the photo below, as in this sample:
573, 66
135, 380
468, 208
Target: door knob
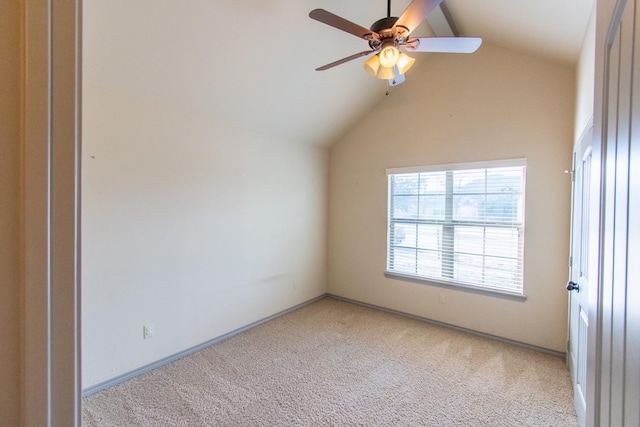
573, 286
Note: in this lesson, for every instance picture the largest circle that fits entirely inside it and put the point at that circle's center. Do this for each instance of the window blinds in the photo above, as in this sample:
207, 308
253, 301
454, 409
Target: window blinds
460, 224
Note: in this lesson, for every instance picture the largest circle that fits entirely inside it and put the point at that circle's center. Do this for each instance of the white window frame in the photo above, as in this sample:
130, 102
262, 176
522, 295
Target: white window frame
450, 224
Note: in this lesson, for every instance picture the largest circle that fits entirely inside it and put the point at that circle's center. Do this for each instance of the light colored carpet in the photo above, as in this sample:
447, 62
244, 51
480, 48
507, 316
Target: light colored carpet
338, 364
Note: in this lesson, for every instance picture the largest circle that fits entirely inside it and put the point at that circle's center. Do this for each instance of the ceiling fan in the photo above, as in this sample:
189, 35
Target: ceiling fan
388, 34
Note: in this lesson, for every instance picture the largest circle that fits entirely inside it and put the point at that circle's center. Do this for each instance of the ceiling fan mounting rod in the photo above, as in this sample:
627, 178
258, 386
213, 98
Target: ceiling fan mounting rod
386, 29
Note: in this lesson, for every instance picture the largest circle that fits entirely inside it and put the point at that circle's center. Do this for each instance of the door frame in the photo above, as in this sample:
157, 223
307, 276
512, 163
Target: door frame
615, 379
51, 45
607, 11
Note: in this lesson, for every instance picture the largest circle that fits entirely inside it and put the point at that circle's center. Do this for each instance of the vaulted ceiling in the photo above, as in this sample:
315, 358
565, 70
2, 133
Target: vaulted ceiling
252, 62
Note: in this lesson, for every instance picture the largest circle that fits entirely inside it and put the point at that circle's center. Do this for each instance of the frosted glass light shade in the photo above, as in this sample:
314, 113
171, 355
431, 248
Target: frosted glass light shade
372, 65
386, 73
404, 63
389, 56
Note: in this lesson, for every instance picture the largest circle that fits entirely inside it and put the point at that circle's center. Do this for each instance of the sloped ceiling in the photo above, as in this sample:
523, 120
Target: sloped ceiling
252, 63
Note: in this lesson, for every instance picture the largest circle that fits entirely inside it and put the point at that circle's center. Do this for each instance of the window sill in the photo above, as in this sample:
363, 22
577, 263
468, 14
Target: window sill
459, 287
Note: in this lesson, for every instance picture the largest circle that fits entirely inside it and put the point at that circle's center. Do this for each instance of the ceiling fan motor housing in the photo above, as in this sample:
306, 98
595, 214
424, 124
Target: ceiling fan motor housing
384, 24
384, 28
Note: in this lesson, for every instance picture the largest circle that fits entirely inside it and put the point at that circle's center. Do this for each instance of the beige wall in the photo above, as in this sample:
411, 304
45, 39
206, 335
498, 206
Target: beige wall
494, 104
10, 84
585, 78
192, 225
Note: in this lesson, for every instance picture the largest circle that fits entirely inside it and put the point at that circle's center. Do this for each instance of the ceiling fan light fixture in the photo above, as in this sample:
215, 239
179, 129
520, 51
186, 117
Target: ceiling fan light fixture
372, 65
405, 62
386, 73
389, 55
388, 34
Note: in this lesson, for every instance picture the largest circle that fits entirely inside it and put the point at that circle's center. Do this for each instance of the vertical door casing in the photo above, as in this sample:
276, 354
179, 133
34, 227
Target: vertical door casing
616, 365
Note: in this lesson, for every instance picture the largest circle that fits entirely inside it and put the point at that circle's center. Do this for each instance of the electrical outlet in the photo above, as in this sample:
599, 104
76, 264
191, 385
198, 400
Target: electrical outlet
443, 299
148, 331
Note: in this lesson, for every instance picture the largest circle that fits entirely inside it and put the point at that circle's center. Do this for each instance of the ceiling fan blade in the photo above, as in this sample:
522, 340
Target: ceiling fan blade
444, 44
340, 23
414, 14
343, 60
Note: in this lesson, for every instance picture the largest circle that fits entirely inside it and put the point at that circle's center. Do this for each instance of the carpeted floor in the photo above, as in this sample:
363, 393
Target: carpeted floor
337, 364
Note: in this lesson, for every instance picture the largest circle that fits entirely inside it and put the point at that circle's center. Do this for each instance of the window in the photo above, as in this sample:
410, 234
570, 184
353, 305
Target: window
459, 224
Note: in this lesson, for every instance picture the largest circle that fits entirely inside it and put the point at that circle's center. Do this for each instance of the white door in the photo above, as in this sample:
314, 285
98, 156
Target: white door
579, 279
